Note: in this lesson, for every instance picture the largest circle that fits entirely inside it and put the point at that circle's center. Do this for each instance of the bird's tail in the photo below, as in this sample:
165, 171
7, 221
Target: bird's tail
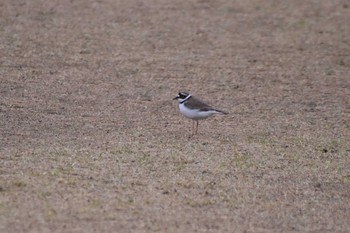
222, 112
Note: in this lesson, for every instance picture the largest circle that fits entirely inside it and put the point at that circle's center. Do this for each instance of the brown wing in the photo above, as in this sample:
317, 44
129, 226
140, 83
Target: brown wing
196, 103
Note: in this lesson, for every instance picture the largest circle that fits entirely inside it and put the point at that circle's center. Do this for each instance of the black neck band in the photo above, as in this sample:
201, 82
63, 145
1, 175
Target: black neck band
187, 98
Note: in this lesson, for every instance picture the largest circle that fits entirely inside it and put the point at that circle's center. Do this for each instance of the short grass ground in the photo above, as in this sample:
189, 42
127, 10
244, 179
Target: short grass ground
91, 141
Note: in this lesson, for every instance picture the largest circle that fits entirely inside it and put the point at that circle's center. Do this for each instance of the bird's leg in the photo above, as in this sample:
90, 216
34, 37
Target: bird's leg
192, 126
196, 126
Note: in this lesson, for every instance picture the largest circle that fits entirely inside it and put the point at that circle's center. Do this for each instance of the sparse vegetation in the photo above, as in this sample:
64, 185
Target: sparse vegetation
90, 140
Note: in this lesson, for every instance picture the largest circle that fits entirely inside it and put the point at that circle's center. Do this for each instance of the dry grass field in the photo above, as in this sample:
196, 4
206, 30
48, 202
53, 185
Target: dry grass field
91, 141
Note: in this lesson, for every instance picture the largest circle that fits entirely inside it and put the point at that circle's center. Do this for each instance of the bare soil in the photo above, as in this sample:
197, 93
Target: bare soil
91, 141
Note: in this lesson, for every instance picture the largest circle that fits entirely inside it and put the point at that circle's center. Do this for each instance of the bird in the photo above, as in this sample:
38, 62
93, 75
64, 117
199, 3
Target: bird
195, 109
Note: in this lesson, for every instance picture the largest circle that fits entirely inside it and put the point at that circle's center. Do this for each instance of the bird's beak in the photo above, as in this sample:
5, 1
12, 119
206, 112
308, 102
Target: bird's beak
176, 98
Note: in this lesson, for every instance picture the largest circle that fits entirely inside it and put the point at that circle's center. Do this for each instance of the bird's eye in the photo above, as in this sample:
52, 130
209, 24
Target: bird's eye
182, 95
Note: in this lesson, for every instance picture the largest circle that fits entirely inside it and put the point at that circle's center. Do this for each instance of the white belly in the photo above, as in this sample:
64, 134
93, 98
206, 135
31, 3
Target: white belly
194, 113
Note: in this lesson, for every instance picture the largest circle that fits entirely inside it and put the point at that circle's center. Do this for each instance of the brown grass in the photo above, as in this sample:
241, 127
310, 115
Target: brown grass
90, 140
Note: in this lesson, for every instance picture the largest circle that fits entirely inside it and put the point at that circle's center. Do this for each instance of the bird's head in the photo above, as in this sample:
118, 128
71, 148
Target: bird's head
182, 96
